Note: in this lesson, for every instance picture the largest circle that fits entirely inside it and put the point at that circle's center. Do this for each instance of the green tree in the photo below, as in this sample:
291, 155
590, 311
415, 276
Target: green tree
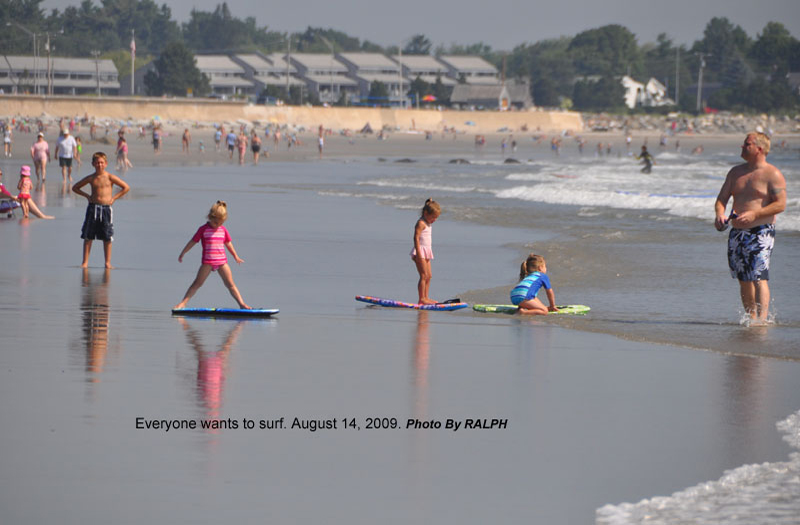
607, 50
725, 46
378, 93
419, 88
774, 48
418, 45
220, 30
441, 92
176, 73
605, 94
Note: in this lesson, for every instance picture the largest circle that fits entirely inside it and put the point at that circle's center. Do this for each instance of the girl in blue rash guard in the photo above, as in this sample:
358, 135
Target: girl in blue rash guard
533, 275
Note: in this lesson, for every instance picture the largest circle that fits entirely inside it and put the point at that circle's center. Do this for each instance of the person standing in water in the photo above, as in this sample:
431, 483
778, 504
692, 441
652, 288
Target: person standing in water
759, 194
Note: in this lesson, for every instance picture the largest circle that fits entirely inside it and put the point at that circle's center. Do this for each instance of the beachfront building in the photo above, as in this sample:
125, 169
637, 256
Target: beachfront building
470, 70
267, 70
652, 94
58, 76
367, 68
502, 96
226, 77
324, 76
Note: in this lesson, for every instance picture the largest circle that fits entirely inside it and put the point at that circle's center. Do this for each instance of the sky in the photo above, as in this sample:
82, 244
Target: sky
513, 22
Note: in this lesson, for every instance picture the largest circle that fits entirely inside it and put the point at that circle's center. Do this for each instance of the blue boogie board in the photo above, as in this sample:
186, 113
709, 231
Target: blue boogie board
399, 304
225, 312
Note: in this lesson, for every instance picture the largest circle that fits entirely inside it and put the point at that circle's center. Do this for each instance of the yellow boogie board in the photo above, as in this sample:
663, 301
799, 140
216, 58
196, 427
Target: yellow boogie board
568, 309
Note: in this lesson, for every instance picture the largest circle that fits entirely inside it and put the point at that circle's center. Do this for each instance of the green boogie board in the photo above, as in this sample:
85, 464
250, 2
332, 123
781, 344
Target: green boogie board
567, 309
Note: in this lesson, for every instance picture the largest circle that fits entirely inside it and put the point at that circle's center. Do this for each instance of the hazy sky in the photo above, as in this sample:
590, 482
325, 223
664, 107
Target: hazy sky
501, 24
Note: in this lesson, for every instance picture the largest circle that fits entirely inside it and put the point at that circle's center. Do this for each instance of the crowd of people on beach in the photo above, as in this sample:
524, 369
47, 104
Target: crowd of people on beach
758, 190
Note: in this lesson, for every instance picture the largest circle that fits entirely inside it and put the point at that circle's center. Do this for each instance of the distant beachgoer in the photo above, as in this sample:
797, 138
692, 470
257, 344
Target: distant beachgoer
66, 149
215, 239
7, 140
186, 141
321, 145
533, 277
255, 146
241, 144
422, 254
217, 139
698, 150
156, 139
230, 140
123, 163
40, 154
78, 150
759, 194
647, 159
98, 221
31, 203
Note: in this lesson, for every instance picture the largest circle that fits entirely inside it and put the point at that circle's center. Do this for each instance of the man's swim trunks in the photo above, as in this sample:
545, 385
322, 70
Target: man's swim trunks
98, 223
749, 252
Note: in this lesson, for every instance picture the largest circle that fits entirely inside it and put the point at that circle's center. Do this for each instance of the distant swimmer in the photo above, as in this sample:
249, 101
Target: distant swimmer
759, 194
698, 150
647, 159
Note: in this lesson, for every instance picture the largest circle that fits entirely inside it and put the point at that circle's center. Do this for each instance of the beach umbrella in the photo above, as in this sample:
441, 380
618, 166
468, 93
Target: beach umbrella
429, 98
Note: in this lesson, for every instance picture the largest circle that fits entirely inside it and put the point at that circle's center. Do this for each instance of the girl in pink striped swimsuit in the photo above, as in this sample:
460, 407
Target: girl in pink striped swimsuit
422, 254
214, 238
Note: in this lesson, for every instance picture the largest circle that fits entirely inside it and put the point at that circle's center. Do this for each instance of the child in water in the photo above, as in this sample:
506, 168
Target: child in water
25, 186
214, 238
422, 254
533, 275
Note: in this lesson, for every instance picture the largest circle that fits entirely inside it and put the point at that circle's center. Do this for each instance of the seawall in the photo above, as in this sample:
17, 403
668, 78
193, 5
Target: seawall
204, 110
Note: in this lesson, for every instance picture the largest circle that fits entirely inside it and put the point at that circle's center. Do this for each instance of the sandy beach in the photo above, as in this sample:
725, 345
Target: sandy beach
641, 398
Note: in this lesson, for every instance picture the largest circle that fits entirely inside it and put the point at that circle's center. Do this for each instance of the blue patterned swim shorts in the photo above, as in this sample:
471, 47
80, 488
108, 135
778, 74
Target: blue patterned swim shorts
749, 252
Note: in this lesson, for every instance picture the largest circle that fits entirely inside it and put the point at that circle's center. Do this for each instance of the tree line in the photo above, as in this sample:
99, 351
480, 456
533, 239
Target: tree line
580, 72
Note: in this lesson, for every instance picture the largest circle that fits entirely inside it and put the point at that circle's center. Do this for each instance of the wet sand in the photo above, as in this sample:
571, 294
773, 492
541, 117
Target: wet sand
587, 419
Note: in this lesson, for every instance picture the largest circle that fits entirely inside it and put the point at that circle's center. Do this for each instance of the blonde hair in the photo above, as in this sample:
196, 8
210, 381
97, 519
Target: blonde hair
762, 141
219, 211
99, 155
431, 206
532, 264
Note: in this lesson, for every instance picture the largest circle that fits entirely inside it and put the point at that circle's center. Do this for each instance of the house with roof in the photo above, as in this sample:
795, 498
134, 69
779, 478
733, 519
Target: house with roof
424, 67
58, 76
470, 69
367, 68
324, 76
226, 77
267, 70
651, 94
502, 96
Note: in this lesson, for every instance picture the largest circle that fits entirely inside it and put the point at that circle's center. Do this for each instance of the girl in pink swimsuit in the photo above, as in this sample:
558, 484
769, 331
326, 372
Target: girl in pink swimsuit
422, 254
215, 239
25, 186
40, 154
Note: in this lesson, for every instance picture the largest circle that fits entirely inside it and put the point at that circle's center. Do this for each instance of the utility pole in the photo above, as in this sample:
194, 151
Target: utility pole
288, 60
96, 55
49, 68
133, 58
400, 74
700, 80
677, 73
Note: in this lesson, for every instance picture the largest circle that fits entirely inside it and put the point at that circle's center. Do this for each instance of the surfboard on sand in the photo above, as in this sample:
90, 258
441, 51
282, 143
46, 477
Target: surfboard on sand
567, 309
225, 312
399, 304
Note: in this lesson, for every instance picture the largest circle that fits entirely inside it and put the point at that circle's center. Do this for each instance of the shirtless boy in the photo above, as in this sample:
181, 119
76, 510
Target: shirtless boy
759, 194
98, 221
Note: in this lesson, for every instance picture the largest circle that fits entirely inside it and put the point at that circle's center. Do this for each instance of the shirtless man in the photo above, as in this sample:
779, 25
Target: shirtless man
98, 221
759, 194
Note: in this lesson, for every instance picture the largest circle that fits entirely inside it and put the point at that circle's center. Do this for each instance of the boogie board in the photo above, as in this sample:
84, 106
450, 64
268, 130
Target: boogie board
225, 312
7, 206
399, 304
568, 309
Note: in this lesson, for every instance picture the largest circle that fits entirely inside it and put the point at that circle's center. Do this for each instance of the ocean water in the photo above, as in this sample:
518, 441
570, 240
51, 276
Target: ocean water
652, 397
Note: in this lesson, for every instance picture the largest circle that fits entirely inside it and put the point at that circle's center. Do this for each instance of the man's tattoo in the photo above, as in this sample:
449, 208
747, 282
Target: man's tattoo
776, 191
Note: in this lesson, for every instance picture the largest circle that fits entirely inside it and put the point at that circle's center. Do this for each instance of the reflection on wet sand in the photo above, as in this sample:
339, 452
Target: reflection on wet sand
212, 365
420, 364
95, 314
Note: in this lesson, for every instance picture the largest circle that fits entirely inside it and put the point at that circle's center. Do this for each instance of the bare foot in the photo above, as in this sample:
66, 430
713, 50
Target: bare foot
85, 265
427, 301
109, 267
244, 307
180, 306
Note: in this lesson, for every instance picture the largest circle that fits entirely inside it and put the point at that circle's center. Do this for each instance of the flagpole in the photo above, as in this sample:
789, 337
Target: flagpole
133, 58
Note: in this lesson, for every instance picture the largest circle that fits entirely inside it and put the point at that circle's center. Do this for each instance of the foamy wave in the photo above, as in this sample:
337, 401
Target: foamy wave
766, 493
419, 186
